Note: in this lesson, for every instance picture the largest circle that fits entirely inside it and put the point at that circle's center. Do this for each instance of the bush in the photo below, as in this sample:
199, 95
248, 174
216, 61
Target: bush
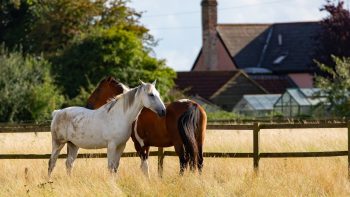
336, 87
26, 86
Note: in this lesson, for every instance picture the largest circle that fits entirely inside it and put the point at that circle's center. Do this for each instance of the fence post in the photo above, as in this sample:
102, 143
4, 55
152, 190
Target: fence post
348, 124
256, 142
160, 161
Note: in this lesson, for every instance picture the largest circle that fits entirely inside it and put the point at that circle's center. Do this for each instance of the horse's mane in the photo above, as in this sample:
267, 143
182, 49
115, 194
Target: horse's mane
128, 98
125, 87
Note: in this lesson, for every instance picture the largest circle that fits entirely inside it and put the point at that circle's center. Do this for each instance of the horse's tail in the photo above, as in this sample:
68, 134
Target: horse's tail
187, 125
53, 115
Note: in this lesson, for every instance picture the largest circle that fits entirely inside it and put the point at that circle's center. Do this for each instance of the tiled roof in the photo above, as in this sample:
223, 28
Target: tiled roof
274, 84
244, 42
203, 83
295, 41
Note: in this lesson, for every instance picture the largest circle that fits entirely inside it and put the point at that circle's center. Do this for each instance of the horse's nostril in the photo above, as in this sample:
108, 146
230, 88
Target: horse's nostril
162, 112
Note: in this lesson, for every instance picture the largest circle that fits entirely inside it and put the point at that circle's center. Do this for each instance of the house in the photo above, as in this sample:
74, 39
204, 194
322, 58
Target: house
260, 105
301, 102
274, 57
223, 88
277, 48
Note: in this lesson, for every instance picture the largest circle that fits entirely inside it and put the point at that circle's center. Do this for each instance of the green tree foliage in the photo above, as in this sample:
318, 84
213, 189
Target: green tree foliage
27, 91
48, 26
85, 41
337, 85
113, 52
15, 23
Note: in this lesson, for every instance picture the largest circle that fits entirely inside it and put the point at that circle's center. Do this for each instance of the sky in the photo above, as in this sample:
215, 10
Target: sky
176, 24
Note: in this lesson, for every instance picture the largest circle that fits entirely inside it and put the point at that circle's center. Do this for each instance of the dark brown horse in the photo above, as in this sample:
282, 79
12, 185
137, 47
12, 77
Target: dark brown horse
183, 127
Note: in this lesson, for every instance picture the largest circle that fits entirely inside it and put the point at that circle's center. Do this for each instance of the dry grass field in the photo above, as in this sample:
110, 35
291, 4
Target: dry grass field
221, 176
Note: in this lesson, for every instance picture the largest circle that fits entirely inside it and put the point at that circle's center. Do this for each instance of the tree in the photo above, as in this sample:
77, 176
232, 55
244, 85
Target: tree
113, 52
16, 22
86, 40
27, 90
336, 86
48, 26
335, 36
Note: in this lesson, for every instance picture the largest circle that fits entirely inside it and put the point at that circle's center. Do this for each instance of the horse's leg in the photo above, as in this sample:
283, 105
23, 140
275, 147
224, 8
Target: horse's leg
119, 152
56, 148
111, 155
200, 159
72, 152
114, 153
200, 138
144, 160
113, 160
183, 161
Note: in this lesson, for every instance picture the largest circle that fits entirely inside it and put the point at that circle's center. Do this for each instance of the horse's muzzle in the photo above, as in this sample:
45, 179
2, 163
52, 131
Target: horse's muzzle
161, 112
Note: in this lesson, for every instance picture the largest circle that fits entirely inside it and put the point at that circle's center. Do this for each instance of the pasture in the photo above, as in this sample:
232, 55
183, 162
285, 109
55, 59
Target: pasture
221, 176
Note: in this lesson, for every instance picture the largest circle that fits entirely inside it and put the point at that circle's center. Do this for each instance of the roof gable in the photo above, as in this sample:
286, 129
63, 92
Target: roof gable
203, 83
225, 61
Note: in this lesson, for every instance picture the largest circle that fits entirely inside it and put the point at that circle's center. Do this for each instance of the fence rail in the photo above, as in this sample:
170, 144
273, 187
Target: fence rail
30, 127
255, 127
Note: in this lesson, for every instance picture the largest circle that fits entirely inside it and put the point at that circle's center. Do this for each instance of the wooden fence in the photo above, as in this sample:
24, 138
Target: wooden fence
255, 127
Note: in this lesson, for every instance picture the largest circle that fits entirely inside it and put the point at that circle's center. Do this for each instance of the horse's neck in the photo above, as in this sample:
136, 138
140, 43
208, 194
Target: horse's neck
134, 110
130, 113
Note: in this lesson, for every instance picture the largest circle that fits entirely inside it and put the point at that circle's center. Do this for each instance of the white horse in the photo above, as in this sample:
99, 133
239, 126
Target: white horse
106, 127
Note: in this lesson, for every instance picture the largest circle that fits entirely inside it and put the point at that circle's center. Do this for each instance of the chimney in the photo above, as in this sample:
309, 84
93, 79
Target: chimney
209, 22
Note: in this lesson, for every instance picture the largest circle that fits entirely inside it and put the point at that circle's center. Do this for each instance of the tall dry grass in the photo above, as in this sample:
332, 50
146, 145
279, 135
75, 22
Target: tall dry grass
221, 176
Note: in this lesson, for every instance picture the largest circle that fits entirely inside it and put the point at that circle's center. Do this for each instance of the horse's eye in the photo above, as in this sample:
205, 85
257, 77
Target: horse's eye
151, 95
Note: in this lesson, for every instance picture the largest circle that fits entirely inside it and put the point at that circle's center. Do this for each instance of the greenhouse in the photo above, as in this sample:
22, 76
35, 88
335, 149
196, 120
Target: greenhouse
299, 102
256, 105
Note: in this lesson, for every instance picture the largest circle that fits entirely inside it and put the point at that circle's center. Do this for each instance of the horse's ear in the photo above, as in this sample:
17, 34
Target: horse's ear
109, 78
143, 83
154, 82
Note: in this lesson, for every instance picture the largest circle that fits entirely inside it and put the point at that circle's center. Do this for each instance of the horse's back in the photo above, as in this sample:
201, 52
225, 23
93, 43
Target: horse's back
64, 118
69, 112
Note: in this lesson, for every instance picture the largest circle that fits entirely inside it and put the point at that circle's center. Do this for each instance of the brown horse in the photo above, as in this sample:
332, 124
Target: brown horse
183, 127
